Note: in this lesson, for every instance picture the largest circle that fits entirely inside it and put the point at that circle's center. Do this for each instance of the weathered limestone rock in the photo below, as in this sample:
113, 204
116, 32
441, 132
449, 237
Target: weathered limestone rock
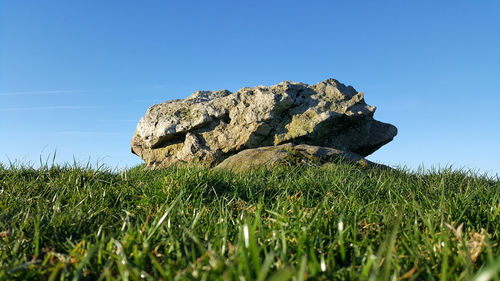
292, 154
210, 126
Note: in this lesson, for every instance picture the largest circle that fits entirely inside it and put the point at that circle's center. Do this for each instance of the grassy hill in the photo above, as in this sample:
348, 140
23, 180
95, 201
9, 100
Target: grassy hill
338, 222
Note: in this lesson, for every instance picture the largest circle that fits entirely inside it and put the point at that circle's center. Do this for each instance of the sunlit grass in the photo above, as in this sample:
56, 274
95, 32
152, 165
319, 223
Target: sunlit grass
337, 222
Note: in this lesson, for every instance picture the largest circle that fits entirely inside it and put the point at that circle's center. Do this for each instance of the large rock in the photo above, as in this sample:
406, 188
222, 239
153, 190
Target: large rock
291, 154
210, 126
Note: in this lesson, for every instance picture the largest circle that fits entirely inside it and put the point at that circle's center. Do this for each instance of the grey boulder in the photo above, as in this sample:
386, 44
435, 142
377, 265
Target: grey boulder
291, 154
209, 126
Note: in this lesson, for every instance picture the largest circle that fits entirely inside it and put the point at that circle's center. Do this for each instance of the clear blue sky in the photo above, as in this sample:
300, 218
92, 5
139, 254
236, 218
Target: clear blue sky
76, 76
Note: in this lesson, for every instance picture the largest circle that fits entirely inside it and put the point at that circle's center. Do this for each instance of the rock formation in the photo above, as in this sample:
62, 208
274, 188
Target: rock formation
291, 154
209, 126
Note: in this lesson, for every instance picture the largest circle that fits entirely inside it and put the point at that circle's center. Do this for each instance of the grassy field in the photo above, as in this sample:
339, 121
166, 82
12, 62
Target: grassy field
292, 223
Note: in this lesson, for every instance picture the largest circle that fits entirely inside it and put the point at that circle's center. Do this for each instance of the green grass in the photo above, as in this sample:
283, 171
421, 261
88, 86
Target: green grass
292, 223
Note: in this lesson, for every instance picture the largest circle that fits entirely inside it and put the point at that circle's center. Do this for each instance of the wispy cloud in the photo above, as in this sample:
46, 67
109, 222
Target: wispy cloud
62, 107
159, 86
146, 100
119, 120
88, 133
52, 92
